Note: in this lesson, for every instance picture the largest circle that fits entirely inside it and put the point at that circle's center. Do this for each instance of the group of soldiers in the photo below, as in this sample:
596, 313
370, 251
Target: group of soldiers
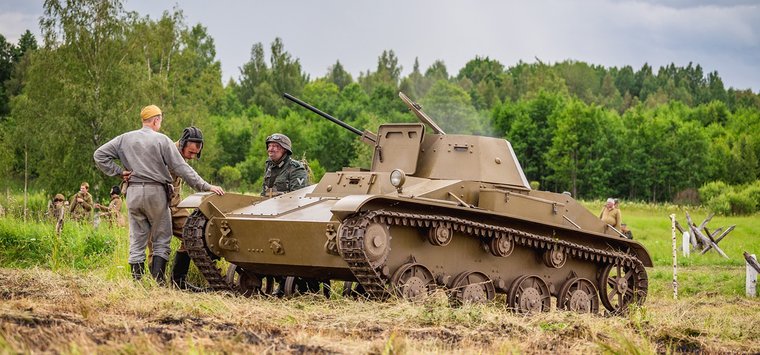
80, 207
153, 170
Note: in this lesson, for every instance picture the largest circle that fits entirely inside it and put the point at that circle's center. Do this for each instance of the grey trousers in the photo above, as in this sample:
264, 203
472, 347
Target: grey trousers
148, 215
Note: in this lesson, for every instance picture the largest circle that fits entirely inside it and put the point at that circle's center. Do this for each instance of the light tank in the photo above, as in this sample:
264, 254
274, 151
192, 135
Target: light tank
434, 211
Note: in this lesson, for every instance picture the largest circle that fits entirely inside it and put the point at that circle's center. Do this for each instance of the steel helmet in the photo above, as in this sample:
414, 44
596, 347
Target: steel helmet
282, 140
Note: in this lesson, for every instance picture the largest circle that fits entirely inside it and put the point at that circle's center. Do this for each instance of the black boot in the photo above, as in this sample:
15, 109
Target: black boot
180, 268
138, 270
158, 269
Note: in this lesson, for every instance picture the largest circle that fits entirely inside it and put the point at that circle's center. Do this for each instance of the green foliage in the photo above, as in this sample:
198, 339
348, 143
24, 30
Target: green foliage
230, 176
725, 199
713, 189
642, 134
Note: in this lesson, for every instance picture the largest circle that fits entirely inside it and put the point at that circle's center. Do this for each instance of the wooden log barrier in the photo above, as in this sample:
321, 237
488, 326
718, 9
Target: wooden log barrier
753, 268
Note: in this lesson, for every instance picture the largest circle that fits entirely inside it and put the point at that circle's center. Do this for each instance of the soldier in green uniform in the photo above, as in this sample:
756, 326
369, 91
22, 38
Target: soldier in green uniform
81, 204
283, 174
57, 210
112, 212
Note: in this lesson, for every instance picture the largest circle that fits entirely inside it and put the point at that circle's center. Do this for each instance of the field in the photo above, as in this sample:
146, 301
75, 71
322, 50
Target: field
73, 294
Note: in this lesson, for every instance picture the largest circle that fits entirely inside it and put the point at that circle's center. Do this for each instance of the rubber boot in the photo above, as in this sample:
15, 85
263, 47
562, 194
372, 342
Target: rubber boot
158, 269
180, 269
138, 269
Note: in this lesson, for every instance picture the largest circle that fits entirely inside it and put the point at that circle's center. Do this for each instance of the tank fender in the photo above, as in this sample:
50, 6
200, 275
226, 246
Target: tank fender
349, 205
227, 203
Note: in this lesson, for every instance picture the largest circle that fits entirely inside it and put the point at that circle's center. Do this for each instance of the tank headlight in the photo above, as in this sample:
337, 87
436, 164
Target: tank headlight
398, 177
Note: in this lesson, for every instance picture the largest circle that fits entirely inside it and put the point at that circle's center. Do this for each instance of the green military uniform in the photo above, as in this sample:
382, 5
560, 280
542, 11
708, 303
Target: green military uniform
81, 210
286, 176
112, 213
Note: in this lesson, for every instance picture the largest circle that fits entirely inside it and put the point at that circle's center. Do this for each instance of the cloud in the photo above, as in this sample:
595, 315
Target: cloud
14, 24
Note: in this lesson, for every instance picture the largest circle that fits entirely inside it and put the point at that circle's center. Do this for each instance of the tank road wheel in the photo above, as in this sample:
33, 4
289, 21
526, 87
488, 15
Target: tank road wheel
295, 286
471, 287
412, 281
377, 242
501, 246
440, 235
579, 295
248, 284
620, 285
529, 294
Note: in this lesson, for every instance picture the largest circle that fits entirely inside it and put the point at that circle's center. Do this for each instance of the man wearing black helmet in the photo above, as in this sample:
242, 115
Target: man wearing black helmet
190, 146
283, 174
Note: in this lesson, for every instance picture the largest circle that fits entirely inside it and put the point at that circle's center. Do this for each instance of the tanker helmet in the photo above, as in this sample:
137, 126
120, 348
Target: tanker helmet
282, 140
192, 134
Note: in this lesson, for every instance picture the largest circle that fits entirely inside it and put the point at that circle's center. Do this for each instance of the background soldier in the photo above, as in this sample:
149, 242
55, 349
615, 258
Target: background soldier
148, 158
283, 174
57, 210
81, 204
610, 214
112, 212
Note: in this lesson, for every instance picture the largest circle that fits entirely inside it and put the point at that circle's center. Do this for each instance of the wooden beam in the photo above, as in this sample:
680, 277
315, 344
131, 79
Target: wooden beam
751, 261
723, 235
707, 242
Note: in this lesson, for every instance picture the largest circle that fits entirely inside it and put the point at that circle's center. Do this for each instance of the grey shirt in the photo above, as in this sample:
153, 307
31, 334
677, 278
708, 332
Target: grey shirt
150, 156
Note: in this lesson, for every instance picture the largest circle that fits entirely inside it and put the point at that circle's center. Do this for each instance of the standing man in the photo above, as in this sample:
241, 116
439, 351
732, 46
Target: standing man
149, 158
81, 204
283, 174
190, 146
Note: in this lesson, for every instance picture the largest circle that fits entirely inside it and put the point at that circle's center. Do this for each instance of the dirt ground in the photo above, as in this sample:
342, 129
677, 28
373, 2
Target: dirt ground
42, 311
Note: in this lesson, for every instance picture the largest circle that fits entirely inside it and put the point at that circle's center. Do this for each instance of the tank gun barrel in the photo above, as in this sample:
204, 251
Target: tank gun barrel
319, 112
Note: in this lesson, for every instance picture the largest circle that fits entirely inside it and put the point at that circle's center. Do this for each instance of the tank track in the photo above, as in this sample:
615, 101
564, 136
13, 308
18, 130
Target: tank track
371, 277
192, 235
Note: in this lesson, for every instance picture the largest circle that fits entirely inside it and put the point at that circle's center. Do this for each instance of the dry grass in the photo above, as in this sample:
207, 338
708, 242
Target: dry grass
41, 311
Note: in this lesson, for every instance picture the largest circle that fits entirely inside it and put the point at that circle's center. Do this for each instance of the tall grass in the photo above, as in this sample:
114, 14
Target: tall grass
80, 246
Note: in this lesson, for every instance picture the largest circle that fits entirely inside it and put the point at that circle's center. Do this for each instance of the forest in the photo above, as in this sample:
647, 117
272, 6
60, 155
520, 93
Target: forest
673, 133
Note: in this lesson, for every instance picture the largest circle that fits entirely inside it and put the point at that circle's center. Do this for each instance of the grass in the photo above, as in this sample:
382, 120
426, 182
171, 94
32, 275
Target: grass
73, 294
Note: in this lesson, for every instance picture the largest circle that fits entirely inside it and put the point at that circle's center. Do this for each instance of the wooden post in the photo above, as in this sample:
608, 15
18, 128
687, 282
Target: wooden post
675, 256
752, 270
686, 244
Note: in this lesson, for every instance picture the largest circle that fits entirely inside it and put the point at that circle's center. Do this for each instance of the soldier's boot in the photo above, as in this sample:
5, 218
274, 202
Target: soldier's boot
179, 272
158, 269
138, 269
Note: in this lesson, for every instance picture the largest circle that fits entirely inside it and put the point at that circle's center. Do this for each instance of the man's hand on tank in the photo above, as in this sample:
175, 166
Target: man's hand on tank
125, 175
217, 190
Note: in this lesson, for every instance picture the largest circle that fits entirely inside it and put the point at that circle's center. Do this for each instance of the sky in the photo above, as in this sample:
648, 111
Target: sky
722, 36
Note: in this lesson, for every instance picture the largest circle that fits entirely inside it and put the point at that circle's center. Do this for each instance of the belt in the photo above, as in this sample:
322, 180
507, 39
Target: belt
145, 183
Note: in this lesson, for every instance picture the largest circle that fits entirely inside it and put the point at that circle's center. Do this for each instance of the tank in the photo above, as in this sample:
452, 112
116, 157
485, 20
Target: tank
434, 211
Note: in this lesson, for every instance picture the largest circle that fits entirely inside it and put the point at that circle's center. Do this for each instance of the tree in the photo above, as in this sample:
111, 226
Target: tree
452, 109
339, 76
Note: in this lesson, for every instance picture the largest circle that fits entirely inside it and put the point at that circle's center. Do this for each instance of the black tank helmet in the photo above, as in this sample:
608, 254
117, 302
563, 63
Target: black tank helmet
192, 134
115, 190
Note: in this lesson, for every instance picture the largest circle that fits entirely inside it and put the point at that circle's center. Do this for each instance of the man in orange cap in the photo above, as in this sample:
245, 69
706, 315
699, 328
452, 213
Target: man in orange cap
149, 158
